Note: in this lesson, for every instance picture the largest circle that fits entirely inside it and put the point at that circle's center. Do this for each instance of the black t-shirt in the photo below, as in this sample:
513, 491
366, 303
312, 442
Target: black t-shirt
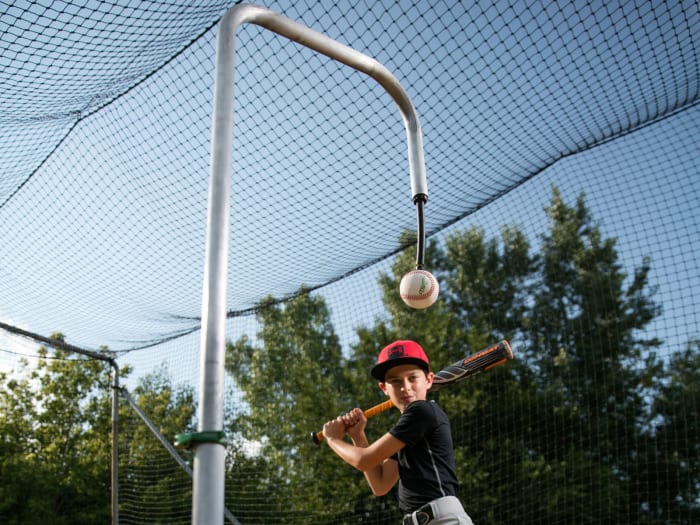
426, 463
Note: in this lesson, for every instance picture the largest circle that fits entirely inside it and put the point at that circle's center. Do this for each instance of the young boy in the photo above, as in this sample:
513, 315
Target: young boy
417, 451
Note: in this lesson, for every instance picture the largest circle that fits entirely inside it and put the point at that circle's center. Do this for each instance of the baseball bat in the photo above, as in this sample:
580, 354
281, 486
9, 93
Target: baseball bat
471, 365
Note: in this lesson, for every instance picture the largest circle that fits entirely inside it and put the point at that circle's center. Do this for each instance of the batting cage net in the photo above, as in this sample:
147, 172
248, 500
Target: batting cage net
563, 169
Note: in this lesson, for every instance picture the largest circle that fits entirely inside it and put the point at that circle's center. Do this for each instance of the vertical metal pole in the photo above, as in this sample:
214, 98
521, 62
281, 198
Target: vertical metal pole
115, 444
209, 458
208, 480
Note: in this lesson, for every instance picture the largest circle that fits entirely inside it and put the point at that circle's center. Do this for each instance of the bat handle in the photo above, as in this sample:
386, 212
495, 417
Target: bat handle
317, 437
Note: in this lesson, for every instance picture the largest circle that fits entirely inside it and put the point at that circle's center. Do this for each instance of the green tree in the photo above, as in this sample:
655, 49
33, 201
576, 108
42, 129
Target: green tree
587, 425
56, 451
153, 486
592, 361
56, 446
575, 396
669, 475
293, 380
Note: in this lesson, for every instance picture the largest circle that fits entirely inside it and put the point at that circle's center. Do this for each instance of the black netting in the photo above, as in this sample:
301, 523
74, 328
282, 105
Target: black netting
104, 165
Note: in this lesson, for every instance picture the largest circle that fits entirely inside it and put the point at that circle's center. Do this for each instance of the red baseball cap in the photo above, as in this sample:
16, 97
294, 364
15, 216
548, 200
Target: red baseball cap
399, 353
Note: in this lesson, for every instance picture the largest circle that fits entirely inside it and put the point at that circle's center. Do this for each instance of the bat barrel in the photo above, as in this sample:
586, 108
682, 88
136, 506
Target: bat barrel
482, 361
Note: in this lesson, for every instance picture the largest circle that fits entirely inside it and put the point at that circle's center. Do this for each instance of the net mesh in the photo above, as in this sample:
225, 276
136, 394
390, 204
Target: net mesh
104, 160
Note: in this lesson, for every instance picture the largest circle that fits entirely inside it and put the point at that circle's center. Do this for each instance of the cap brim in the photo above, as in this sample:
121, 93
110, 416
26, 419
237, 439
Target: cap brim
380, 370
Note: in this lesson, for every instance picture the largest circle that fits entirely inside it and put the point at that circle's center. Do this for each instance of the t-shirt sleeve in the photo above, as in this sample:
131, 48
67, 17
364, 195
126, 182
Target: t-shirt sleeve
415, 422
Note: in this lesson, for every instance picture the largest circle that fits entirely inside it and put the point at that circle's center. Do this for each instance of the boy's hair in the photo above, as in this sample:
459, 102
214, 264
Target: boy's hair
399, 353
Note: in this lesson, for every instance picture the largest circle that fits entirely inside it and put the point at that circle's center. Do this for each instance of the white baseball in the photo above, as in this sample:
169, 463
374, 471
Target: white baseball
419, 289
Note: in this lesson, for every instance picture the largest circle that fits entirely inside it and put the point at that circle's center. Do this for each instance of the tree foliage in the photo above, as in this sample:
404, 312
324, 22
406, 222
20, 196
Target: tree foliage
156, 489
566, 433
292, 383
56, 445
588, 424
55, 450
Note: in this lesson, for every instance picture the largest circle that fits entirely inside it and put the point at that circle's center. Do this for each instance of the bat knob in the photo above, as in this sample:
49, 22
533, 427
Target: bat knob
316, 437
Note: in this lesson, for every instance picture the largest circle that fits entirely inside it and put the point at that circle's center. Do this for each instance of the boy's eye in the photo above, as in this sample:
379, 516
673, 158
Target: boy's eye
412, 379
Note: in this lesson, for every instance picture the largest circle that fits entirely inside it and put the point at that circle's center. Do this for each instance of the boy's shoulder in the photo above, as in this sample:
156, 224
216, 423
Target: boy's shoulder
420, 419
422, 402
423, 407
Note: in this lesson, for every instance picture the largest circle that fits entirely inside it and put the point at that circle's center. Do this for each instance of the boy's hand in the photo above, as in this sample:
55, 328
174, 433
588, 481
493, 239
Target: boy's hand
334, 428
355, 423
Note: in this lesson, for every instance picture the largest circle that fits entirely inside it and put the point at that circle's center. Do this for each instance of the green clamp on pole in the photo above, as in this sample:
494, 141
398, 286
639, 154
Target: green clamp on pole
193, 439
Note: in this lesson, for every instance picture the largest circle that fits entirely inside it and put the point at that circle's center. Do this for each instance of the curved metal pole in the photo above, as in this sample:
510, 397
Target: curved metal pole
208, 483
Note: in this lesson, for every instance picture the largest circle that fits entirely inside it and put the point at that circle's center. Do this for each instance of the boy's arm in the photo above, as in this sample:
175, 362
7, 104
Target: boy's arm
373, 460
381, 478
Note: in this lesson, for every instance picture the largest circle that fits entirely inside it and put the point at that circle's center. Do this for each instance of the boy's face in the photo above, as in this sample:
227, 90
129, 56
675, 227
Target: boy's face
405, 384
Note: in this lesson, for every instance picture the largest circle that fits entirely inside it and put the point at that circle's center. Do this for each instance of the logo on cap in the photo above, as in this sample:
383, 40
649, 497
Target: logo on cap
395, 352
